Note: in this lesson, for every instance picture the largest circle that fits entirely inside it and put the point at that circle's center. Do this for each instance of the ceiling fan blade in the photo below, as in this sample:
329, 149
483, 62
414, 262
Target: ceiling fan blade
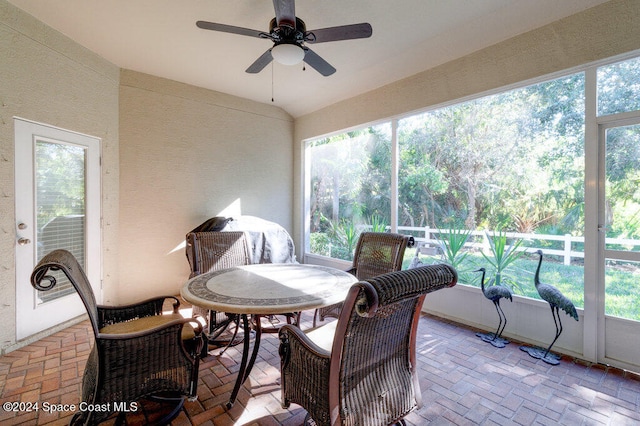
260, 63
317, 63
285, 12
229, 29
344, 32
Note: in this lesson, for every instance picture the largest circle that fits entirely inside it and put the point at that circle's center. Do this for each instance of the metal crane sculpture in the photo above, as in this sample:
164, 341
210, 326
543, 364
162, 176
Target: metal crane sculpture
556, 301
495, 293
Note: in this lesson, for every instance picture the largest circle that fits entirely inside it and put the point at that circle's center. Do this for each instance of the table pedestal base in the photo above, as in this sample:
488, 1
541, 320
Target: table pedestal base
246, 363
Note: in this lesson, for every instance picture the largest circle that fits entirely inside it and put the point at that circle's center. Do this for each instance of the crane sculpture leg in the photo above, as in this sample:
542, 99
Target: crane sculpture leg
496, 338
556, 315
546, 355
503, 321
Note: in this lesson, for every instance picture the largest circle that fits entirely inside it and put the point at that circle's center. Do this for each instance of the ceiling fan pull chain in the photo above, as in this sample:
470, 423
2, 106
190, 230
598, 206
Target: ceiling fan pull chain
272, 82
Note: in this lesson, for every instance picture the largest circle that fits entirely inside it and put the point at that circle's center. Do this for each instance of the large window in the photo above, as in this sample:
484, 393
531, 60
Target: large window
507, 163
500, 171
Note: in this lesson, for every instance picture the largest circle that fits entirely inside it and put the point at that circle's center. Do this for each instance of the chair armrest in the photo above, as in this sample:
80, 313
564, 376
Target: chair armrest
304, 371
114, 314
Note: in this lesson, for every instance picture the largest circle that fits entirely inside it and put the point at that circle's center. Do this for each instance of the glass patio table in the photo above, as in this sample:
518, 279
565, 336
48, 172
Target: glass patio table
265, 289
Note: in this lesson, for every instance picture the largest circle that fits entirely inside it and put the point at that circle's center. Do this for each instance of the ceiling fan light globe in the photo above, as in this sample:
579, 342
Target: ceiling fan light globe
287, 54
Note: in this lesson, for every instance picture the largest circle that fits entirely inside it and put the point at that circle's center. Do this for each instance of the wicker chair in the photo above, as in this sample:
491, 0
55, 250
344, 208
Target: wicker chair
138, 351
361, 369
212, 251
376, 253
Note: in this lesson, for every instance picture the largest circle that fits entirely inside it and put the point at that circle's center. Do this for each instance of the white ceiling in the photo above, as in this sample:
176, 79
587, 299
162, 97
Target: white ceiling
159, 37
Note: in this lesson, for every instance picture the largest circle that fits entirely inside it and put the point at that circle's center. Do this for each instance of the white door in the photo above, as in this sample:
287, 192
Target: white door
619, 225
57, 179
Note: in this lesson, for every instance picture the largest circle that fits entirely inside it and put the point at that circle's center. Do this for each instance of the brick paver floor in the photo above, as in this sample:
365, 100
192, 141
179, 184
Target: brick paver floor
463, 379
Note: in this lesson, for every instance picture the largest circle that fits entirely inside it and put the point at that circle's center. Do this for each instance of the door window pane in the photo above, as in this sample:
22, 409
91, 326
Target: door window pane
622, 289
622, 220
622, 188
350, 178
60, 206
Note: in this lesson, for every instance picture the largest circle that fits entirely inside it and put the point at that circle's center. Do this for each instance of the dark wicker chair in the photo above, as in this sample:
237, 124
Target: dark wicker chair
212, 251
361, 369
138, 351
376, 253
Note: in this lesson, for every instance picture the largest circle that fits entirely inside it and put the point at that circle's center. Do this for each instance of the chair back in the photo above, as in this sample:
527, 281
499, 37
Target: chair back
211, 251
43, 279
373, 357
378, 253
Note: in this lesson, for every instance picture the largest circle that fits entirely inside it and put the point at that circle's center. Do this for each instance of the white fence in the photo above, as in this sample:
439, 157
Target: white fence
568, 242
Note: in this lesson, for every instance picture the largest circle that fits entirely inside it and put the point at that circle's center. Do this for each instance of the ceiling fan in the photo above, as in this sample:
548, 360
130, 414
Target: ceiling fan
289, 36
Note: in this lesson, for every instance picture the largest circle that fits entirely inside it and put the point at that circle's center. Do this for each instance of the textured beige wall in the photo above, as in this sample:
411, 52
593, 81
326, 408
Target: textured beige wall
185, 155
47, 78
601, 32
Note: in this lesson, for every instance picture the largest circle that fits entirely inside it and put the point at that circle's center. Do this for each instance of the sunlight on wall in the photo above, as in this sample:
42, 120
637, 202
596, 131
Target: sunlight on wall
233, 209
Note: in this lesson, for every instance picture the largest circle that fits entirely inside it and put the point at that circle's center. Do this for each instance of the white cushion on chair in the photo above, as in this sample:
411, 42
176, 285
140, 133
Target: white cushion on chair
323, 336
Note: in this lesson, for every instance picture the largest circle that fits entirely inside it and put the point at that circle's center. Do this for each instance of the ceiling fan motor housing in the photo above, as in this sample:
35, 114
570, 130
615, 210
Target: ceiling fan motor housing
285, 33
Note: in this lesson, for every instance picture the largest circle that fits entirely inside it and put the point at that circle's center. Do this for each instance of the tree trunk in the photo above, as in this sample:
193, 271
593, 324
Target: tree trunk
470, 222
